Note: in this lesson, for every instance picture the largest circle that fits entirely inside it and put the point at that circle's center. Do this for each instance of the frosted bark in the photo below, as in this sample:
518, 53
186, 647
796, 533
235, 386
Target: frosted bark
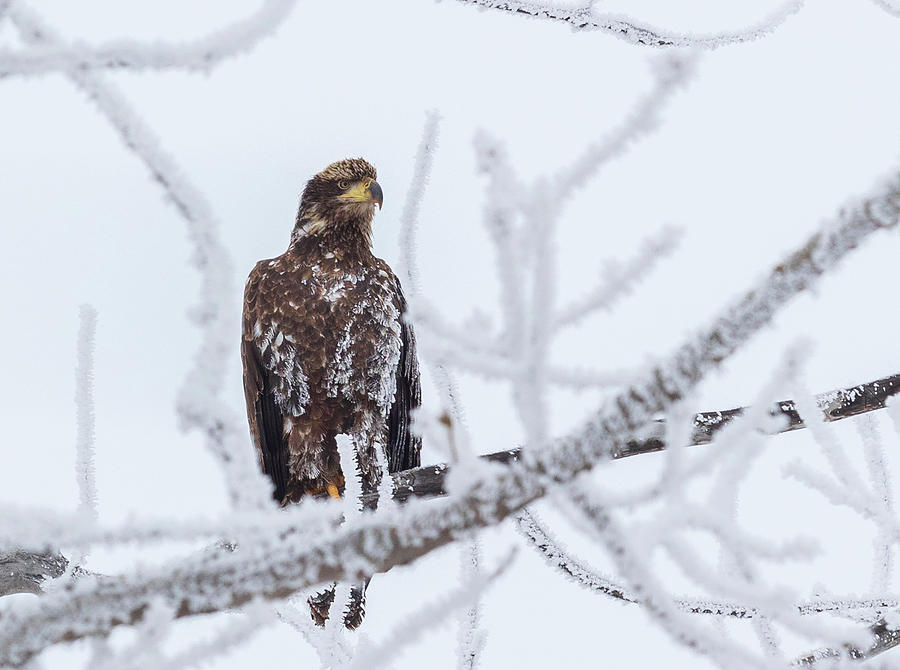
586, 17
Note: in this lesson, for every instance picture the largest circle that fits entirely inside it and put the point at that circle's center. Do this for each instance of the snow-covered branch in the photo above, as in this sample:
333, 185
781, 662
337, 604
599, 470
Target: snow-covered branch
619, 278
636, 32
409, 217
884, 636
376, 656
558, 557
201, 54
25, 528
84, 409
892, 7
199, 404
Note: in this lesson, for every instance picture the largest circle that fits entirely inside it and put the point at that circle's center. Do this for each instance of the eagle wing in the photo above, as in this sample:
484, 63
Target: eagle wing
266, 417
403, 448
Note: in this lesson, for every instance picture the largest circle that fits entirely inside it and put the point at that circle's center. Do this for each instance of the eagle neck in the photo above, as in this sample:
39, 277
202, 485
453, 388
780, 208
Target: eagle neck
343, 242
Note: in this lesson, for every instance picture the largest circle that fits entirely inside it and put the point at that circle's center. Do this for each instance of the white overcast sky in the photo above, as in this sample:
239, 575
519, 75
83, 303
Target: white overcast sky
767, 140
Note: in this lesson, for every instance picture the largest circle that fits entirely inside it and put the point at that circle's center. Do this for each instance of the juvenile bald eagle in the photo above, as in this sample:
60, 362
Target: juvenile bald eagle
326, 351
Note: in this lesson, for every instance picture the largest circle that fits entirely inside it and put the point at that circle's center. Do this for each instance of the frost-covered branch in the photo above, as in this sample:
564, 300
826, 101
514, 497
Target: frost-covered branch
636, 32
426, 481
84, 411
892, 7
619, 278
409, 217
558, 557
201, 54
199, 403
275, 570
471, 637
373, 657
885, 636
650, 593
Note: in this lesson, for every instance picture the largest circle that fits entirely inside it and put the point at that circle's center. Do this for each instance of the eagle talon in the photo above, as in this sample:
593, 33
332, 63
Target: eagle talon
333, 491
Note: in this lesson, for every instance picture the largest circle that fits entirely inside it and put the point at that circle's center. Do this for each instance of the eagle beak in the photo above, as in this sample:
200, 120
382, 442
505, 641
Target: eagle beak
365, 191
375, 193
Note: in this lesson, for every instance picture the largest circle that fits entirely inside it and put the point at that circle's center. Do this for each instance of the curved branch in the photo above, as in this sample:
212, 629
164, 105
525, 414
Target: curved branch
557, 556
198, 405
634, 32
201, 54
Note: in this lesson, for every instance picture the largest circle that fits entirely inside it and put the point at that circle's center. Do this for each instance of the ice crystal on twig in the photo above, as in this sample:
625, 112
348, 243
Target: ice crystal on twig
85, 413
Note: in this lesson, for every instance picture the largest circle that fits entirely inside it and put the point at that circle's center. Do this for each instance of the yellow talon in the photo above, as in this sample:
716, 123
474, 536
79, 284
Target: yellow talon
333, 491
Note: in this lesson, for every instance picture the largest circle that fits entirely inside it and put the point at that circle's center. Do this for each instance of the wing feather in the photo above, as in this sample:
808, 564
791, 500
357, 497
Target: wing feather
404, 448
266, 418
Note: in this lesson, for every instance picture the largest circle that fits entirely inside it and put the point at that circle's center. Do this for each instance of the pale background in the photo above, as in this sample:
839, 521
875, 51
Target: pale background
770, 138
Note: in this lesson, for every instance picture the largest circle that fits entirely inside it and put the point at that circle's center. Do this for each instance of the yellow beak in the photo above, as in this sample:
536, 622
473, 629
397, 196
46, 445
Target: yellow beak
365, 191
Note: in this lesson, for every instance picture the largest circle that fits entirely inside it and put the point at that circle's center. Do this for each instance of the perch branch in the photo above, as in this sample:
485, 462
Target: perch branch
429, 480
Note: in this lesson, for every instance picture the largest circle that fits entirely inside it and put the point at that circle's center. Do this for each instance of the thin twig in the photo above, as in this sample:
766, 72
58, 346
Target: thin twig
635, 32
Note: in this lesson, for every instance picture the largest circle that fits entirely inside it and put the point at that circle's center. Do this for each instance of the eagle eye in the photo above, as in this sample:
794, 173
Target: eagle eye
344, 184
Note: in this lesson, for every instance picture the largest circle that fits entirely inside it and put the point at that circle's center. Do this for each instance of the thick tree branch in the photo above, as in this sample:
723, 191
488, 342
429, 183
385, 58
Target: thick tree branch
24, 571
429, 480
275, 567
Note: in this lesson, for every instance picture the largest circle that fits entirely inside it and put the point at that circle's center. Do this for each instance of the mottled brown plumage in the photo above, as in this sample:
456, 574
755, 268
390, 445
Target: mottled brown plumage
325, 348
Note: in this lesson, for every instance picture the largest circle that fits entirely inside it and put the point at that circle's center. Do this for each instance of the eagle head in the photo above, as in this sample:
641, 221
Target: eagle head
341, 197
